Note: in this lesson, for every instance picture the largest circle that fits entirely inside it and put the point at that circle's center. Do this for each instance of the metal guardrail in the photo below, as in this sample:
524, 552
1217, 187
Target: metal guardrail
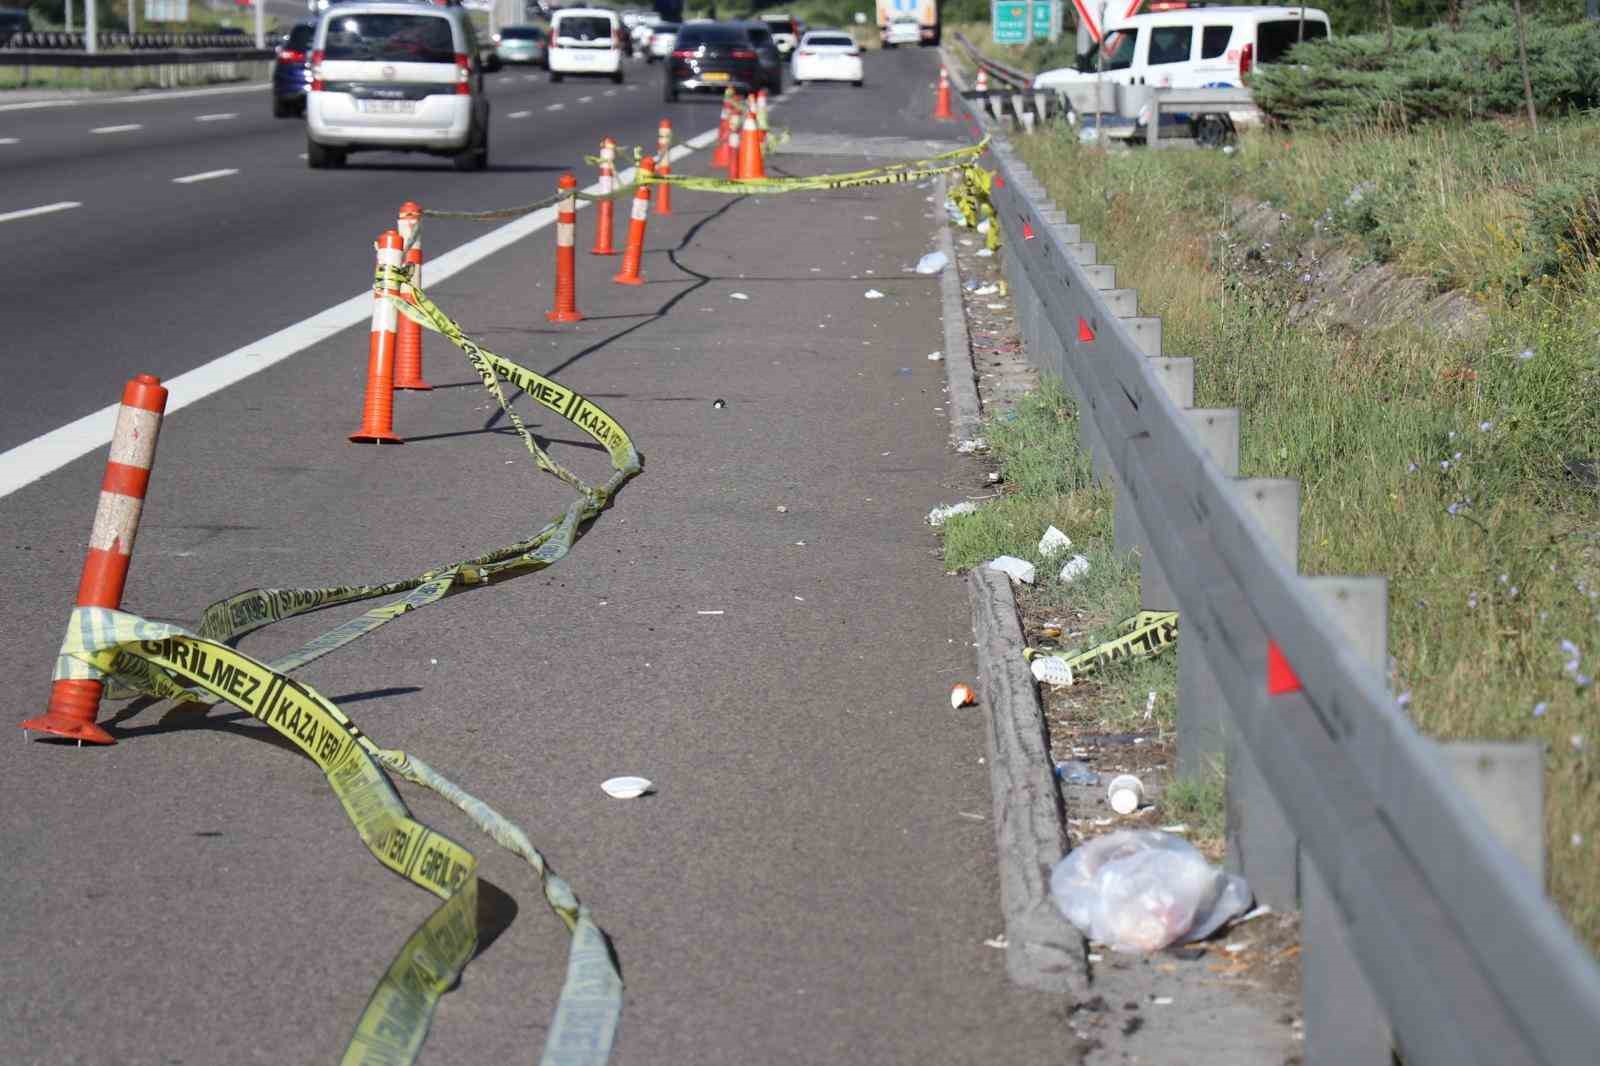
16, 57
1012, 76
59, 39
1414, 918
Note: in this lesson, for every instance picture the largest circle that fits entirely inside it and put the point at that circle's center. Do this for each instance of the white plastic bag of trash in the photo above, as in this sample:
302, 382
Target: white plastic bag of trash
932, 263
1076, 567
940, 515
1138, 890
1014, 568
1053, 541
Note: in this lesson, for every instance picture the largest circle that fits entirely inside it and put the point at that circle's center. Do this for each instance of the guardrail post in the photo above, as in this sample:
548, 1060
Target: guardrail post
1344, 1025
1261, 846
1506, 781
1202, 712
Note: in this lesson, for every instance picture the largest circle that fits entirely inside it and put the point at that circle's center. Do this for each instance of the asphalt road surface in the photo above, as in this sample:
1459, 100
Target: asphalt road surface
760, 623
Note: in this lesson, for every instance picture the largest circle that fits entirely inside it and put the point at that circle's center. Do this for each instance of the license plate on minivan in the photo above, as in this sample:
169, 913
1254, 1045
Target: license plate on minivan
389, 107
714, 75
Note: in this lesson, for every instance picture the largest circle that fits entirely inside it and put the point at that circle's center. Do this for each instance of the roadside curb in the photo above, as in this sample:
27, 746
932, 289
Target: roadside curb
1043, 950
965, 414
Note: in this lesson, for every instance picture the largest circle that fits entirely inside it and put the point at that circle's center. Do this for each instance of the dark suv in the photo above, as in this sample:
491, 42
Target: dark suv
291, 70
712, 56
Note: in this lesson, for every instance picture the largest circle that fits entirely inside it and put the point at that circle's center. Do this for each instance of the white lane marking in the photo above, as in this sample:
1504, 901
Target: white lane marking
118, 129
64, 205
585, 99
27, 463
519, 114
221, 117
633, 88
556, 107
37, 105
10, 140
206, 175
609, 92
530, 77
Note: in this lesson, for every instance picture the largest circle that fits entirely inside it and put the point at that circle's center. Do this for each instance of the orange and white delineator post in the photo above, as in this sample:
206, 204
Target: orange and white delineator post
664, 167
636, 223
377, 409
941, 108
75, 693
566, 305
603, 226
735, 139
719, 158
761, 118
751, 163
408, 335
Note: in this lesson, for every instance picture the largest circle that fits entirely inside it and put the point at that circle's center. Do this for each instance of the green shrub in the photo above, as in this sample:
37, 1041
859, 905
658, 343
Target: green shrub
1436, 74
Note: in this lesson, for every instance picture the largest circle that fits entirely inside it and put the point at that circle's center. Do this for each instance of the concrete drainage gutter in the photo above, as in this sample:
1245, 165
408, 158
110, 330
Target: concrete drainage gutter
1043, 950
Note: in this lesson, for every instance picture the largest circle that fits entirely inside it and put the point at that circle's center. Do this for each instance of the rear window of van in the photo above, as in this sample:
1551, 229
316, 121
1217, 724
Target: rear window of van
583, 28
1275, 38
390, 38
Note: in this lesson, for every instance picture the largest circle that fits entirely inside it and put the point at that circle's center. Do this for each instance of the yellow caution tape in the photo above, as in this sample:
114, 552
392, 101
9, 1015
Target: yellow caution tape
139, 657
1145, 635
395, 1022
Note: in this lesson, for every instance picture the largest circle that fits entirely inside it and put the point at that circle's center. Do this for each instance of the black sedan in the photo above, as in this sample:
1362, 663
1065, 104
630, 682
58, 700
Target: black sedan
711, 57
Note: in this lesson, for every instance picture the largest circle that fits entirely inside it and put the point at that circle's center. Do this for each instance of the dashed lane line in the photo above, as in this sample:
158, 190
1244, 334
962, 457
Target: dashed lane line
519, 114
221, 117
126, 128
205, 175
46, 209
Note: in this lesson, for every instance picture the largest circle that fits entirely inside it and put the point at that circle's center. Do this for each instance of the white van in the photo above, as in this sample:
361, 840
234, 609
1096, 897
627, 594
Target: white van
585, 40
1204, 47
396, 74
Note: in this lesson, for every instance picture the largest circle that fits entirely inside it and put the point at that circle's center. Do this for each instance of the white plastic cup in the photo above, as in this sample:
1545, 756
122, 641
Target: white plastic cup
1125, 793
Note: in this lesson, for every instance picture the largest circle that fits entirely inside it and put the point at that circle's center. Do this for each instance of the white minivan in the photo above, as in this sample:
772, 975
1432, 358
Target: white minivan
585, 40
1204, 47
397, 75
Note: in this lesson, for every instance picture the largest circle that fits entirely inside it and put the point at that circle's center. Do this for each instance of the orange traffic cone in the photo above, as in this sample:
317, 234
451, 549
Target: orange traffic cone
603, 226
377, 410
75, 693
641, 212
942, 106
664, 167
751, 164
719, 158
566, 306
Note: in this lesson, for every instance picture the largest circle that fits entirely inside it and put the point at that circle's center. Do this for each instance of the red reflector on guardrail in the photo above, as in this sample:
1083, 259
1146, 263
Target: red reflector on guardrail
1281, 678
1085, 334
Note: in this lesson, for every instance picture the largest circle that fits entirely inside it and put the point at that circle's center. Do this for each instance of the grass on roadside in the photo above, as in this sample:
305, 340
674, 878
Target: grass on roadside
1432, 461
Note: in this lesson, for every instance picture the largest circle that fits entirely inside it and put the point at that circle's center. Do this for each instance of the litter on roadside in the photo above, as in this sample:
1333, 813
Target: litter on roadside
970, 445
1076, 567
627, 787
962, 695
874, 294
1053, 541
1014, 568
738, 296
986, 290
996, 941
1125, 793
939, 515
1051, 670
984, 253
996, 307
932, 263
1074, 772
934, 357
1138, 890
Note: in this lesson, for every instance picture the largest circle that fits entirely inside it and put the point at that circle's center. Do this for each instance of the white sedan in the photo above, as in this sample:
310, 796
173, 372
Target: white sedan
827, 55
